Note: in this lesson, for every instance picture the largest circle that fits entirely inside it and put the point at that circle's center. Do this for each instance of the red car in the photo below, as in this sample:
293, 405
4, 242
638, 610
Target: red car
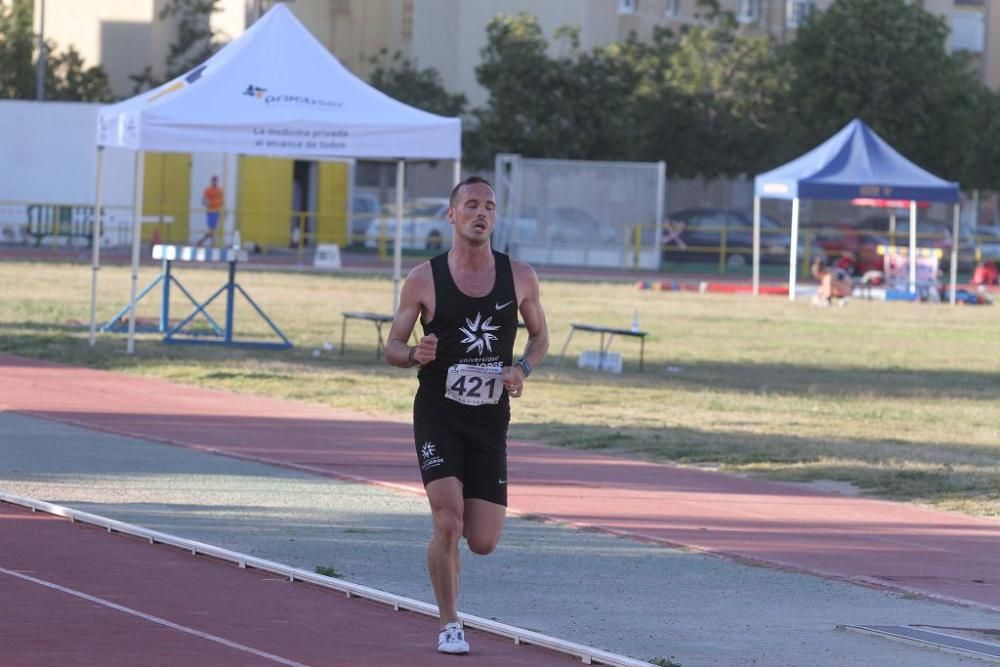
842, 239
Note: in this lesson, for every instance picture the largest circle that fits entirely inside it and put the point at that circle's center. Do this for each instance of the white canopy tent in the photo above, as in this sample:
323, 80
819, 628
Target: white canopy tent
274, 91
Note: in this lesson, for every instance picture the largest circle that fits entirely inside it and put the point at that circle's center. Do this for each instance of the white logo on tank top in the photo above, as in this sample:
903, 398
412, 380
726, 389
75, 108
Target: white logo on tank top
478, 334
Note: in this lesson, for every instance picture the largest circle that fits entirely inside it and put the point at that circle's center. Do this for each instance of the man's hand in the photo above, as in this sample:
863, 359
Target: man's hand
513, 380
426, 350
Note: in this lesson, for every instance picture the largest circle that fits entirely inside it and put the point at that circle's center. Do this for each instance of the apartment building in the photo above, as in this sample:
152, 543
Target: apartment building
125, 36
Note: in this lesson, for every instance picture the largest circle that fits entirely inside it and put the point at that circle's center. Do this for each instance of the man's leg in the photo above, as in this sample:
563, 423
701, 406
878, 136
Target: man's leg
447, 509
483, 525
212, 222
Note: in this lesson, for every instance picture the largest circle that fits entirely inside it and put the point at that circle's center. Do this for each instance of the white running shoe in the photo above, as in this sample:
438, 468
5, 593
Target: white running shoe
452, 640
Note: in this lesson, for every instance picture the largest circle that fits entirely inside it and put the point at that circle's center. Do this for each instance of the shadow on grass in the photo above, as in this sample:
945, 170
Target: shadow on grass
68, 344
803, 379
70, 326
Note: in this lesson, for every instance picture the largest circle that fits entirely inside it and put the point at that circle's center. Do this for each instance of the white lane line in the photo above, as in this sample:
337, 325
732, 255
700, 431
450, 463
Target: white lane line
155, 619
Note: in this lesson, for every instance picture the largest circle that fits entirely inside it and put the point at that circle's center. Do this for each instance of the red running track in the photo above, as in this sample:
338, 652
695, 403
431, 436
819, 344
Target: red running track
943, 555
77, 596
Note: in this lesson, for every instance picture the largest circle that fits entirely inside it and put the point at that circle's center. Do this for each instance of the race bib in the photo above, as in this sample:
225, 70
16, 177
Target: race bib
474, 385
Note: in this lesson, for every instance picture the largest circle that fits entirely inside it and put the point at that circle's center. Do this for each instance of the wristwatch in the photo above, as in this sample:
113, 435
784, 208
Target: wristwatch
525, 366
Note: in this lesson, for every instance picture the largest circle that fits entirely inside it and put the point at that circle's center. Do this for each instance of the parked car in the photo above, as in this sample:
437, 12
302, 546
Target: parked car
987, 241
931, 234
364, 209
557, 226
425, 226
696, 234
840, 239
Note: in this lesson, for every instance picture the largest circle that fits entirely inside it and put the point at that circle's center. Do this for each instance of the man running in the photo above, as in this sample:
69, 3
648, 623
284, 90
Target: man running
213, 200
468, 301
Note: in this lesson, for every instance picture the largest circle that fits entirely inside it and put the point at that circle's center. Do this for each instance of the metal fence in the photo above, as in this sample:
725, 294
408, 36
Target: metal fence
580, 213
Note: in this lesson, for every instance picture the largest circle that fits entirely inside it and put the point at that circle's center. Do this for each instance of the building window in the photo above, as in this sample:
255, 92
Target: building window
796, 12
671, 9
628, 6
749, 11
968, 32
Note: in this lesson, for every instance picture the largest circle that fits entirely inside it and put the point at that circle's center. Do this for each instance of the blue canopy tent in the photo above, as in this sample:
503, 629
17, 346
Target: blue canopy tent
855, 162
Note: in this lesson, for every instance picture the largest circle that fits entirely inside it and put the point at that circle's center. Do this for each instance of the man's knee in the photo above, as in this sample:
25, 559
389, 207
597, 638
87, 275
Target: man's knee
447, 525
482, 545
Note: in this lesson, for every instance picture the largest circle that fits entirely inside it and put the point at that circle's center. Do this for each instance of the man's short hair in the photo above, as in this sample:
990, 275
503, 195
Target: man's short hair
471, 180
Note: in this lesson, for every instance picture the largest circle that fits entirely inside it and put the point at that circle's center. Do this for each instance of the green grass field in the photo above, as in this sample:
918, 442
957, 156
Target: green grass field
901, 400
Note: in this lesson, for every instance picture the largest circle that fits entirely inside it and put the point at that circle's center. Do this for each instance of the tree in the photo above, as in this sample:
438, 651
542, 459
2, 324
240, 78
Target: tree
576, 106
603, 104
521, 80
885, 61
68, 80
399, 78
706, 102
66, 75
722, 93
196, 41
982, 167
17, 46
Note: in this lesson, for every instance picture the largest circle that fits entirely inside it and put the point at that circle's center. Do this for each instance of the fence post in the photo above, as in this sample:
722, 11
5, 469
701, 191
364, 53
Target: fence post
636, 245
722, 249
807, 236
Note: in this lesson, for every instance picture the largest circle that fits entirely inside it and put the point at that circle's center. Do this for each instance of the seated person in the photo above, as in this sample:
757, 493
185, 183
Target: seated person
985, 274
834, 282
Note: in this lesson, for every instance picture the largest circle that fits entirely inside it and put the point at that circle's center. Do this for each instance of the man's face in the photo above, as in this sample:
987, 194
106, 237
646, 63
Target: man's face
474, 213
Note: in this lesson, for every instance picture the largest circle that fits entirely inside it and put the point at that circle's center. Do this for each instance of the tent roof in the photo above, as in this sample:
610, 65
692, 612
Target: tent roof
855, 162
276, 90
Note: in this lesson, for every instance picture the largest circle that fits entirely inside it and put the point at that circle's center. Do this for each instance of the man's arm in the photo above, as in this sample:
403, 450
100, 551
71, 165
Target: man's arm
526, 283
411, 302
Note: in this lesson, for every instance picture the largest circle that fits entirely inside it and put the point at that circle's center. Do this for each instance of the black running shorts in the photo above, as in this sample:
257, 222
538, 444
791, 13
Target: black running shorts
474, 452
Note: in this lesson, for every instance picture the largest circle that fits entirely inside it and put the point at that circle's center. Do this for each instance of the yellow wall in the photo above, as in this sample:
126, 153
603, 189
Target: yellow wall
264, 203
331, 203
166, 192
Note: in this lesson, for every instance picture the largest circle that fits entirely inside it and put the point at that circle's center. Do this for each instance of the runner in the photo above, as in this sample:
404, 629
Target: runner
467, 300
213, 200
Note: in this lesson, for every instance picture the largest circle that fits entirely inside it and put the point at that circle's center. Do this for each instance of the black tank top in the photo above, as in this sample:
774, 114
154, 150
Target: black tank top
470, 330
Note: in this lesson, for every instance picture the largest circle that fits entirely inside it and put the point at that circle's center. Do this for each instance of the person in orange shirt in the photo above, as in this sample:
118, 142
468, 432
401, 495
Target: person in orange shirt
212, 200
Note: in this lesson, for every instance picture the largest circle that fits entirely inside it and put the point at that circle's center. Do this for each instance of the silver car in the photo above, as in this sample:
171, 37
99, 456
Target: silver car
425, 227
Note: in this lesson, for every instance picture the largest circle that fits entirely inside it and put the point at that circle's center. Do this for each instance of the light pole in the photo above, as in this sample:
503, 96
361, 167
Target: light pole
40, 65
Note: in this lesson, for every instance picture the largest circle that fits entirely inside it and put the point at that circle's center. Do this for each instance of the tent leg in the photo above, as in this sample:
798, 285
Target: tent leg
456, 175
756, 246
95, 249
228, 226
661, 213
913, 246
140, 172
397, 251
954, 252
793, 251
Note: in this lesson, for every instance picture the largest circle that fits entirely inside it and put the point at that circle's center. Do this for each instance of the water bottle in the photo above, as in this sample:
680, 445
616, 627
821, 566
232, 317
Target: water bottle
236, 240
635, 321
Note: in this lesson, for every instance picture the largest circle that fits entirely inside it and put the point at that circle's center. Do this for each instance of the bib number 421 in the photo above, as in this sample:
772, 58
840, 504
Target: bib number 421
474, 385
